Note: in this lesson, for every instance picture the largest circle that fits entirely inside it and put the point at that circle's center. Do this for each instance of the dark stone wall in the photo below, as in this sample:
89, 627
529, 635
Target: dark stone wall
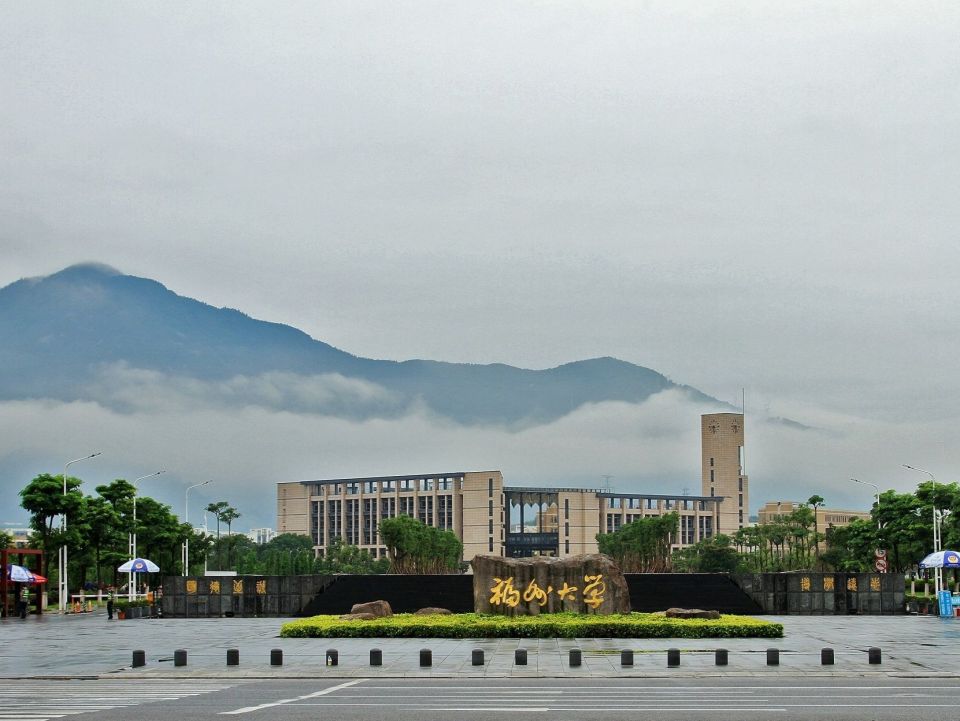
650, 592
799, 593
777, 593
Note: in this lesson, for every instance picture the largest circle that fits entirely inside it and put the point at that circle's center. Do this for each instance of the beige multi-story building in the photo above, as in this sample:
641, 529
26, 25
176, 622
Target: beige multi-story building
487, 516
827, 518
722, 463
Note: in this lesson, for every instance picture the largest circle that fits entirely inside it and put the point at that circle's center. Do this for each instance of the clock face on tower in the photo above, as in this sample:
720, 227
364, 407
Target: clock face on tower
735, 428
714, 428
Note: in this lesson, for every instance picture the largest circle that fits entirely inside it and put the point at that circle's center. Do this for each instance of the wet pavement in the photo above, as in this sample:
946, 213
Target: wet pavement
89, 645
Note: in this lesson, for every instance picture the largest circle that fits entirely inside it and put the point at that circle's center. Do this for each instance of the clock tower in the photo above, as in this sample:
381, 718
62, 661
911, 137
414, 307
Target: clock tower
722, 464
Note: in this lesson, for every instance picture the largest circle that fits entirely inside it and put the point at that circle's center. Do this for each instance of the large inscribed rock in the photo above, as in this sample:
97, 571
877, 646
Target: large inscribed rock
592, 583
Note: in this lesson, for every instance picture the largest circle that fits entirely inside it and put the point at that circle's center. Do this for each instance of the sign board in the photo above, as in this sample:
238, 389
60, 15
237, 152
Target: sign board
946, 604
880, 560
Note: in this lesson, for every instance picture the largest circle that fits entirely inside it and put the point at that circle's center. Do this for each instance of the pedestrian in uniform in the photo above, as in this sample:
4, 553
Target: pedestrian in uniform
110, 604
24, 601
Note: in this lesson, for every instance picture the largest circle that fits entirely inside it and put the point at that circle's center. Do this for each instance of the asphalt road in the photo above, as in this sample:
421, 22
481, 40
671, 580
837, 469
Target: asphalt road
415, 699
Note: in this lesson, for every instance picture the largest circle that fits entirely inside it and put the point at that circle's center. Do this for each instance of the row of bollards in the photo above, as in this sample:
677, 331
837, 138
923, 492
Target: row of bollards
332, 657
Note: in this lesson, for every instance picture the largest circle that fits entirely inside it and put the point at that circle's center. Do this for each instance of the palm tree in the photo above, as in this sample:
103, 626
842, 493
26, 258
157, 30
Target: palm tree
816, 502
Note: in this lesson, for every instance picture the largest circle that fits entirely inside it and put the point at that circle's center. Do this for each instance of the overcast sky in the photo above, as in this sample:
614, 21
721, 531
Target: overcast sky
745, 194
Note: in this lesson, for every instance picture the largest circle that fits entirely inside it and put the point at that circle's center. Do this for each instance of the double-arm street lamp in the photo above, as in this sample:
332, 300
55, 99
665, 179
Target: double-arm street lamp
937, 572
62, 585
132, 538
186, 519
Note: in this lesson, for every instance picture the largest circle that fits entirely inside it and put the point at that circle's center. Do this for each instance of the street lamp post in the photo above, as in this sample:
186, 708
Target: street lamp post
186, 519
62, 557
875, 488
132, 538
937, 572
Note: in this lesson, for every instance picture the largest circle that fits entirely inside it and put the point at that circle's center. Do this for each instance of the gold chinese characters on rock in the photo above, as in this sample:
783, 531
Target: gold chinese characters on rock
504, 593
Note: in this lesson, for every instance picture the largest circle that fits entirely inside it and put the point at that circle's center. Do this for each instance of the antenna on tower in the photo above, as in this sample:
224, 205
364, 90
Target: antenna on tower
607, 486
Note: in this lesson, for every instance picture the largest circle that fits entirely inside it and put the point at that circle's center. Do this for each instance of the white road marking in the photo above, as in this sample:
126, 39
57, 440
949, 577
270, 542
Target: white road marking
324, 692
41, 701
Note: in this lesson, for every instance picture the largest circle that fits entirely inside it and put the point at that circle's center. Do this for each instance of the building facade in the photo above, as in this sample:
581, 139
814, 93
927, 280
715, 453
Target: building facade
827, 518
485, 515
723, 467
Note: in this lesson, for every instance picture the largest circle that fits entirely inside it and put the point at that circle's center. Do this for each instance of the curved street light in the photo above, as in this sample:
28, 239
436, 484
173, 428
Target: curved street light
937, 572
875, 488
186, 519
132, 539
62, 556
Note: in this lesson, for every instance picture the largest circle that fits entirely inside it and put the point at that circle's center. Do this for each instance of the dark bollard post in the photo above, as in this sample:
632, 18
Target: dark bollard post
180, 657
426, 657
139, 659
626, 657
276, 657
332, 657
773, 657
826, 657
873, 653
477, 657
720, 657
233, 657
376, 657
520, 657
673, 657
576, 657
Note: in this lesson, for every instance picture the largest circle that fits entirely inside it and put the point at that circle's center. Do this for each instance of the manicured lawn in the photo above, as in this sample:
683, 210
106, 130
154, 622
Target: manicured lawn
554, 625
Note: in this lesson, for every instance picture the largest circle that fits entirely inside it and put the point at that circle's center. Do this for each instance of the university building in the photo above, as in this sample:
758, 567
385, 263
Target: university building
489, 517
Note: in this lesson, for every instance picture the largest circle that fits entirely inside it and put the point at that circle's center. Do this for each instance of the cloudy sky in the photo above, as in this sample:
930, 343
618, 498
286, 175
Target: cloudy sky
738, 195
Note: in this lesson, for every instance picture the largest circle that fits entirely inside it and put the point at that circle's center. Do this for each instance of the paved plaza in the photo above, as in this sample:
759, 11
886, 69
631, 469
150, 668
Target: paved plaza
90, 646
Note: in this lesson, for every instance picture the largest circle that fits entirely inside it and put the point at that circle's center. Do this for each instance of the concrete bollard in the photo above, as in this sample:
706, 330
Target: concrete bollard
476, 658
333, 658
720, 657
826, 657
139, 659
426, 657
873, 654
773, 657
673, 657
520, 657
233, 657
376, 657
576, 657
180, 657
276, 657
626, 657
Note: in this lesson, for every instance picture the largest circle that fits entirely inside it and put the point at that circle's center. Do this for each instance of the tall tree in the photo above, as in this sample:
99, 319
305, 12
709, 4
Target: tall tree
45, 500
643, 545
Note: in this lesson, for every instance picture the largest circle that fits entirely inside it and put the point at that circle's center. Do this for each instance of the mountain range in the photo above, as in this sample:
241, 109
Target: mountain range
70, 336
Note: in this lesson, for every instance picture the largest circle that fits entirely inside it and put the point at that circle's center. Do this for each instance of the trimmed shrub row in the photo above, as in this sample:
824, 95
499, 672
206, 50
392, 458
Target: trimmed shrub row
554, 625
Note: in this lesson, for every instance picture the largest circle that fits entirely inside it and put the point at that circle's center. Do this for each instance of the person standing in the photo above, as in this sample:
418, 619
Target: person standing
24, 601
110, 599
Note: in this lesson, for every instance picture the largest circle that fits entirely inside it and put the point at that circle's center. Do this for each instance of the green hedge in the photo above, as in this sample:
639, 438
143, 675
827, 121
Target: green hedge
553, 625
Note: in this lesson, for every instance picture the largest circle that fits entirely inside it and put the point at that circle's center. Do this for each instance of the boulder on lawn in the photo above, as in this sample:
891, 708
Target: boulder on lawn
380, 609
431, 611
691, 613
358, 617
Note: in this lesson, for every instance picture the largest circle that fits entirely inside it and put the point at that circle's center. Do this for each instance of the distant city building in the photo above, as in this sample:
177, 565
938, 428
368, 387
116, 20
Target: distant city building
827, 518
21, 536
261, 535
